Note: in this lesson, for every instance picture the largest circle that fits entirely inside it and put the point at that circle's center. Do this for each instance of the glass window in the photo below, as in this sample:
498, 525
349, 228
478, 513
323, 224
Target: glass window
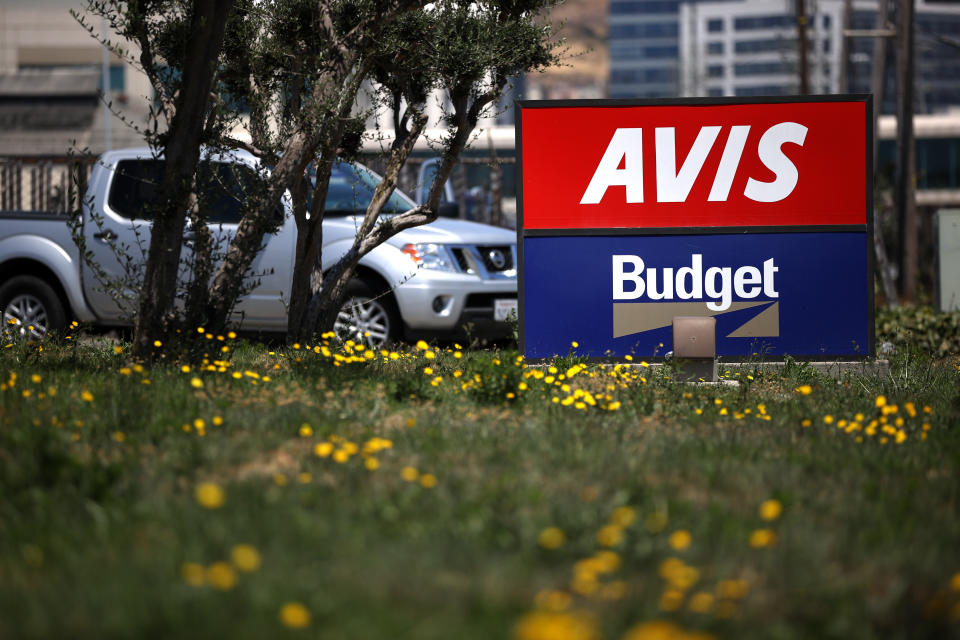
351, 190
715, 48
223, 188
133, 192
715, 25
715, 71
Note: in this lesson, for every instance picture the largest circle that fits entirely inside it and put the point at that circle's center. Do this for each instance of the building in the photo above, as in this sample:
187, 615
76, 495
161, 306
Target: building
661, 48
750, 48
51, 77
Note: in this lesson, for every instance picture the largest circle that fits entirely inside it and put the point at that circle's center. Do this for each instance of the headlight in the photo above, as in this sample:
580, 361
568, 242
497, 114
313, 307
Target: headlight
430, 256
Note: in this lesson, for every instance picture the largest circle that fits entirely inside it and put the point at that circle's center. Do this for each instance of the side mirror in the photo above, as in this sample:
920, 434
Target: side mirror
448, 210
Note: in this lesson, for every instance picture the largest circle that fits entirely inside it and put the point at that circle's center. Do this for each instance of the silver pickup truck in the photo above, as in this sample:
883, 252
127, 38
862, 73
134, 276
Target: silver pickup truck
429, 281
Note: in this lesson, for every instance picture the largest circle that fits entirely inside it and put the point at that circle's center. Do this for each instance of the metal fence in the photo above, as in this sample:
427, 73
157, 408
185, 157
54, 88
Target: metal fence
56, 184
43, 184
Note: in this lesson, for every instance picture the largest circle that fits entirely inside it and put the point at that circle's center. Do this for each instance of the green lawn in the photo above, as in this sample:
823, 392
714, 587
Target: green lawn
446, 493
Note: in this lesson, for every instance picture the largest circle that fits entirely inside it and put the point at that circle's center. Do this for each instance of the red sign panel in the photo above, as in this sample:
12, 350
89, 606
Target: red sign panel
694, 165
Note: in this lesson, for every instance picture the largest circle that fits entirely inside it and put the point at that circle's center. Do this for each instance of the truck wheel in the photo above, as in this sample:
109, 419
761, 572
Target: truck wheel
31, 308
368, 316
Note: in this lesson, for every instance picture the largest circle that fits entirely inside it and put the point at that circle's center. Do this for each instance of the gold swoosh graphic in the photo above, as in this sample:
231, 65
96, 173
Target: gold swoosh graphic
637, 317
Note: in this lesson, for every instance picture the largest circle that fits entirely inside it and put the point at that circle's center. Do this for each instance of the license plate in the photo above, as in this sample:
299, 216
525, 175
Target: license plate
503, 309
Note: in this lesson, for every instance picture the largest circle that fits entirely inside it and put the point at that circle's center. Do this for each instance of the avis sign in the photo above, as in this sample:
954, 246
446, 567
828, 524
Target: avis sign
757, 213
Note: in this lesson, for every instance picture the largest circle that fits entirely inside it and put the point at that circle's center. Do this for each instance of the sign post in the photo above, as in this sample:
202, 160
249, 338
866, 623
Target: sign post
756, 213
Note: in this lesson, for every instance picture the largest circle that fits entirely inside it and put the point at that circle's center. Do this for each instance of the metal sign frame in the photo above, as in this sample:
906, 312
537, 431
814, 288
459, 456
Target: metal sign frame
867, 229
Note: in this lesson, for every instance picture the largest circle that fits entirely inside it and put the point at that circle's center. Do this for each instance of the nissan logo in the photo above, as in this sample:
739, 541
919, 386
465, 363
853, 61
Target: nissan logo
497, 259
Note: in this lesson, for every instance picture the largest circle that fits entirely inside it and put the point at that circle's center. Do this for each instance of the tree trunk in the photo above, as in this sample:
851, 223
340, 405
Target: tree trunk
182, 154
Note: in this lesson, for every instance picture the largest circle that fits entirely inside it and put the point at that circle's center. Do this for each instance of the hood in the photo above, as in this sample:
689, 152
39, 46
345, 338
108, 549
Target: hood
442, 231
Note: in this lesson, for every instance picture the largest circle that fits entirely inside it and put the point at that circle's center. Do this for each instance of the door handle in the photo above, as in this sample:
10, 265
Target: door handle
106, 236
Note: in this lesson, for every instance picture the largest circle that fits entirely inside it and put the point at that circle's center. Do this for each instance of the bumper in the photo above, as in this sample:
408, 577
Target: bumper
448, 304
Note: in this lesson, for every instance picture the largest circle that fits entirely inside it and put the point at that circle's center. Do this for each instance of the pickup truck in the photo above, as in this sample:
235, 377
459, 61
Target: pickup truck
430, 281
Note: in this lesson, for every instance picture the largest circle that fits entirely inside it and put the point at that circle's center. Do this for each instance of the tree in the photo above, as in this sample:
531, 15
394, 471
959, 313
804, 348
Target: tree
304, 77
179, 50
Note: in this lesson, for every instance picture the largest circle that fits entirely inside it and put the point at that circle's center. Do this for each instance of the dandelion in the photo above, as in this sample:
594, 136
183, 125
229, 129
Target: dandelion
610, 536
372, 464
119, 436
552, 538
804, 389
245, 557
196, 383
623, 516
323, 449
761, 538
806, 422
157, 344
217, 421
193, 574
671, 600
304, 477
209, 495
221, 576
701, 602
410, 474
552, 600
306, 430
880, 401
770, 509
428, 481
294, 615
541, 625
86, 396
680, 539
828, 419
655, 630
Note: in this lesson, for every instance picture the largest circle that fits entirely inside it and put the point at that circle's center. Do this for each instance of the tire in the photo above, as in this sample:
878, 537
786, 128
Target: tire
368, 316
31, 309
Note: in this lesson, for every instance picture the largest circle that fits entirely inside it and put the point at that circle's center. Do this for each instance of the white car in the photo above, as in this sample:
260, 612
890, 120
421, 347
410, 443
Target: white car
434, 281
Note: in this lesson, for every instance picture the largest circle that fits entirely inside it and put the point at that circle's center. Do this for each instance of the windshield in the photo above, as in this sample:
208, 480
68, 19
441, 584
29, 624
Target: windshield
351, 189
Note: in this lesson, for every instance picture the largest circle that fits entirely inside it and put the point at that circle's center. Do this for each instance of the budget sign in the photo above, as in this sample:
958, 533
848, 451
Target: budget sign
757, 213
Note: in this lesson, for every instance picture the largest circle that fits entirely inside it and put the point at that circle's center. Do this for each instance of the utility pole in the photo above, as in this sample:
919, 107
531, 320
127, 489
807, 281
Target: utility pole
845, 47
802, 41
905, 190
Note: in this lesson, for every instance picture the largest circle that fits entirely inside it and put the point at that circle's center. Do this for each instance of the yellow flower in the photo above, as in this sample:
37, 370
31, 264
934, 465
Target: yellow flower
245, 557
955, 581
428, 481
118, 349
701, 602
209, 495
610, 535
410, 474
196, 383
217, 421
193, 574
422, 346
655, 630
221, 576
880, 401
761, 538
732, 589
323, 449
340, 456
671, 600
119, 436
559, 625
371, 464
804, 389
294, 615
623, 516
157, 344
828, 419
770, 509
553, 600
806, 422
306, 430
86, 396
680, 539
552, 538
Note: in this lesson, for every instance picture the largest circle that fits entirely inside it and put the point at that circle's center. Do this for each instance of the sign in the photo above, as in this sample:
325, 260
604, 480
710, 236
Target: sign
756, 213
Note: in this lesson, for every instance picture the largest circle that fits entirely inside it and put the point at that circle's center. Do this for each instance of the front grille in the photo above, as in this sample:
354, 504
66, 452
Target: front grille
461, 258
492, 256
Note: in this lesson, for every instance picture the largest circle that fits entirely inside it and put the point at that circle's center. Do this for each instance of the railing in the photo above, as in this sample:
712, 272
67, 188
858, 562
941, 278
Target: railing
44, 184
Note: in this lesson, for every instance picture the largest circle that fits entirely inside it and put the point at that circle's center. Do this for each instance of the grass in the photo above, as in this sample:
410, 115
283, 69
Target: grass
353, 495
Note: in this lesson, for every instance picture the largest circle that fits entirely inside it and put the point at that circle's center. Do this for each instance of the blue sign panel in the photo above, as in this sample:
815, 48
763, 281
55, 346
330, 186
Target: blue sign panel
773, 294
